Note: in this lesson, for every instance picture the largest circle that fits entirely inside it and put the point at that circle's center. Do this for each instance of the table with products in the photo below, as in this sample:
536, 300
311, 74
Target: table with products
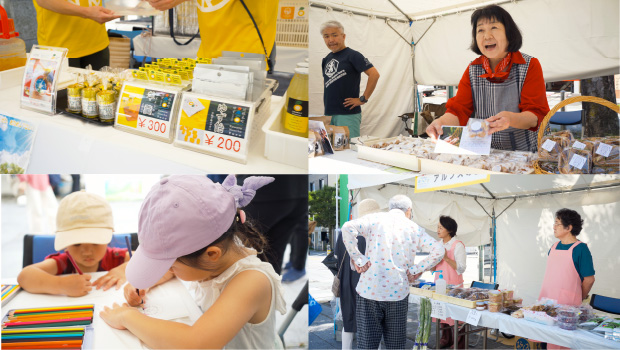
65, 144
169, 301
577, 339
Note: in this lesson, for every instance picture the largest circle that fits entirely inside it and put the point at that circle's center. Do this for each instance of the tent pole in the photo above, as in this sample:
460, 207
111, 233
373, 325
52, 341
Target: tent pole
494, 254
401, 11
355, 12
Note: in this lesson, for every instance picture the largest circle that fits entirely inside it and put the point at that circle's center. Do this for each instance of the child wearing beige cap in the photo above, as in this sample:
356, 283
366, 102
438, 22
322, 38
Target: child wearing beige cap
84, 227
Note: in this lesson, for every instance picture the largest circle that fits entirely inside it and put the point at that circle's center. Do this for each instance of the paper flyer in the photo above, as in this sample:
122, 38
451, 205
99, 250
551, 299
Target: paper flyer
473, 139
16, 140
40, 76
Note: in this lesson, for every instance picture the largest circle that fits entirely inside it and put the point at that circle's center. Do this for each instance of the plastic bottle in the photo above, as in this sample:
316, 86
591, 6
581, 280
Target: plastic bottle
295, 110
12, 48
440, 284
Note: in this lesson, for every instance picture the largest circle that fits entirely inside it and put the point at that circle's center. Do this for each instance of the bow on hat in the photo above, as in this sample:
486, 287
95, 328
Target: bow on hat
245, 193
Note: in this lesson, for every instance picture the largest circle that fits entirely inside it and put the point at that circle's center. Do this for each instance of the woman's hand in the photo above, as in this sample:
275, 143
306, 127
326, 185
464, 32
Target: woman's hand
115, 315
116, 276
434, 130
99, 14
500, 121
132, 297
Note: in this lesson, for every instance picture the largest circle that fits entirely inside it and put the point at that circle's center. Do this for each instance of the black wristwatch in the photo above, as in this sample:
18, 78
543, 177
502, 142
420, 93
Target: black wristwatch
363, 99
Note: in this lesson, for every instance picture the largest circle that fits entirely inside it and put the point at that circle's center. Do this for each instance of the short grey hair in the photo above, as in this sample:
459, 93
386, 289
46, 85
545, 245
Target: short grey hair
332, 24
400, 201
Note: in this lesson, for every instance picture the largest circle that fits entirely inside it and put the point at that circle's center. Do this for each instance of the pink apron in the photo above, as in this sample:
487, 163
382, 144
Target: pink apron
561, 282
449, 274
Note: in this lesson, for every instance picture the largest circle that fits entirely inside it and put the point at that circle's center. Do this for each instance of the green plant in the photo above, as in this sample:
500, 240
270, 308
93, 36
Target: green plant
322, 207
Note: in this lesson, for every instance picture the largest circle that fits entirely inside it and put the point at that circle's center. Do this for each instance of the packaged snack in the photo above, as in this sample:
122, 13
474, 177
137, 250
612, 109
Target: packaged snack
106, 105
480, 306
340, 139
605, 170
550, 167
311, 145
606, 154
74, 95
584, 144
478, 295
551, 147
454, 292
496, 296
494, 307
508, 294
518, 302
478, 128
564, 133
327, 120
89, 102
575, 161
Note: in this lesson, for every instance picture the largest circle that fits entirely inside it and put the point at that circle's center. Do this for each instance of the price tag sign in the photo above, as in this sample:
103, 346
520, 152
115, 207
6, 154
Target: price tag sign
579, 145
548, 145
438, 310
603, 149
473, 317
577, 161
147, 110
215, 125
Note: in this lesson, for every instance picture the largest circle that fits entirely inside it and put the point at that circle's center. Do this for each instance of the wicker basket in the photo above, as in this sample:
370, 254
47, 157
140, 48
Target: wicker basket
543, 124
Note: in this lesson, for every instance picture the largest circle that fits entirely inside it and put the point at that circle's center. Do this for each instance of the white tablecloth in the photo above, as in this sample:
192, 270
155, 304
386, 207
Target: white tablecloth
106, 337
577, 339
68, 145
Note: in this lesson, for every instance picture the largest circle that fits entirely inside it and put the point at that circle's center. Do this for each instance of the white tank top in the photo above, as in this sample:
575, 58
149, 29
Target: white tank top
251, 336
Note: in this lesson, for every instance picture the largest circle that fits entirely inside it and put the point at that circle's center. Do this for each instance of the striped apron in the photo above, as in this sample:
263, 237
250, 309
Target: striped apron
492, 98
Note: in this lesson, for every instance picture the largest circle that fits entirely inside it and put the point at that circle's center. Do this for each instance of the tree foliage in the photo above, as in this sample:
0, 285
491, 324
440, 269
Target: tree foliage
322, 205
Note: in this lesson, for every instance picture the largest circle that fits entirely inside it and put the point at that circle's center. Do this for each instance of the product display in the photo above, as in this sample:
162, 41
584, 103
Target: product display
295, 110
515, 162
575, 161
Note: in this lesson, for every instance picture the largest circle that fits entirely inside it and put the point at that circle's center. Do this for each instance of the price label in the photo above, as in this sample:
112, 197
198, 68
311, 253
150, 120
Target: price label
577, 161
604, 149
146, 109
579, 145
548, 145
473, 317
438, 310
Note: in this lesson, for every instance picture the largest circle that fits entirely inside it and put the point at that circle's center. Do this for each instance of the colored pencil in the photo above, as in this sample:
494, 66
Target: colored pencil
23, 338
52, 343
131, 256
44, 313
77, 319
55, 308
38, 330
52, 316
73, 262
53, 324
41, 334
9, 291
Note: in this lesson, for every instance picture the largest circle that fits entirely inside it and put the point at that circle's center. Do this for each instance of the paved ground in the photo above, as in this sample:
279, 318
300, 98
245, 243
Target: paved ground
322, 333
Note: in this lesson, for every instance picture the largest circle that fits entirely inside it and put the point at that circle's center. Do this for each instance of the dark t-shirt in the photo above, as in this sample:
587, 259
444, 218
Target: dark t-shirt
341, 75
582, 258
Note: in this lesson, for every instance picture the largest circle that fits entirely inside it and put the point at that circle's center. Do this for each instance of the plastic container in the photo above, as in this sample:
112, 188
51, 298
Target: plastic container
295, 110
568, 319
130, 7
508, 295
281, 147
567, 326
496, 296
12, 48
440, 283
480, 306
494, 307
518, 302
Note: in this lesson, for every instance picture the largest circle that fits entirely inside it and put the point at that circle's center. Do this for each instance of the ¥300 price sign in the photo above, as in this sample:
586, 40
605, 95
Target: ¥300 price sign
146, 110
218, 127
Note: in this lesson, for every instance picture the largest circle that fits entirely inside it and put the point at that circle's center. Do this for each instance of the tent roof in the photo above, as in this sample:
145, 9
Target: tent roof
416, 10
500, 186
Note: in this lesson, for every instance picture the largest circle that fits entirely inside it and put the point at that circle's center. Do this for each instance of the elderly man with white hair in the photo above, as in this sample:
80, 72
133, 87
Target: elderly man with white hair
342, 70
388, 266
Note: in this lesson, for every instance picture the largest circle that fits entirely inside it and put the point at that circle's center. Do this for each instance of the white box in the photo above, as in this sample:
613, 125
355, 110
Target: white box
281, 147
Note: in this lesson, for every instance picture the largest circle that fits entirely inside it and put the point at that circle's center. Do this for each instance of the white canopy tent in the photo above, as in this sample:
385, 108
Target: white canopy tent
573, 39
523, 208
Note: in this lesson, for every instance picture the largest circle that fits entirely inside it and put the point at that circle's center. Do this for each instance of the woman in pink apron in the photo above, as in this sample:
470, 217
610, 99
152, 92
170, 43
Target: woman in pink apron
570, 273
452, 266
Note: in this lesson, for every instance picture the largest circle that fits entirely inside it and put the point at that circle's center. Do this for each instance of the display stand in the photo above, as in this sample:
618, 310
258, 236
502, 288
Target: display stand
38, 90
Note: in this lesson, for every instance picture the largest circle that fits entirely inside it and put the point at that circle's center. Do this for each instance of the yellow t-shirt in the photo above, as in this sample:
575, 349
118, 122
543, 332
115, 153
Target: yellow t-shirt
81, 36
226, 26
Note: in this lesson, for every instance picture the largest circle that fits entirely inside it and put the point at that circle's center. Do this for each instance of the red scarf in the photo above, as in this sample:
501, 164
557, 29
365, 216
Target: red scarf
499, 74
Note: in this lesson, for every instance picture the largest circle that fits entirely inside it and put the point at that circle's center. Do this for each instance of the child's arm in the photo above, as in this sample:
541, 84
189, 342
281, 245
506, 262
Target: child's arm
132, 297
115, 276
247, 298
41, 278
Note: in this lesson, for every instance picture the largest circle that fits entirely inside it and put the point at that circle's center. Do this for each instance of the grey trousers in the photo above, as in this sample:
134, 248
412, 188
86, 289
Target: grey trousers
381, 318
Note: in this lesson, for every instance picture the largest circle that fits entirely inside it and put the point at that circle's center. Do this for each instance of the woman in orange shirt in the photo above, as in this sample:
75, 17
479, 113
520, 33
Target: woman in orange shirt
503, 86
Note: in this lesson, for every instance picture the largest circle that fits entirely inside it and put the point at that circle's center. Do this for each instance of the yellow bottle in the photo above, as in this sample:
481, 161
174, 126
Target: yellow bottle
295, 110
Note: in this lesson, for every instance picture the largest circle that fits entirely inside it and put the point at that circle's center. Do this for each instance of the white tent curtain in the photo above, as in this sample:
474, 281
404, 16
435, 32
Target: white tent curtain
387, 51
525, 229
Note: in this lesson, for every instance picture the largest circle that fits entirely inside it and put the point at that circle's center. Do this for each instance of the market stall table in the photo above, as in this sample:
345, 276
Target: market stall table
65, 144
347, 161
106, 337
577, 339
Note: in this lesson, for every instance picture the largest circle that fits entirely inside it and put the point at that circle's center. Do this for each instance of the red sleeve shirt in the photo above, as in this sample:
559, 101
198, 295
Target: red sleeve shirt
113, 257
533, 93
